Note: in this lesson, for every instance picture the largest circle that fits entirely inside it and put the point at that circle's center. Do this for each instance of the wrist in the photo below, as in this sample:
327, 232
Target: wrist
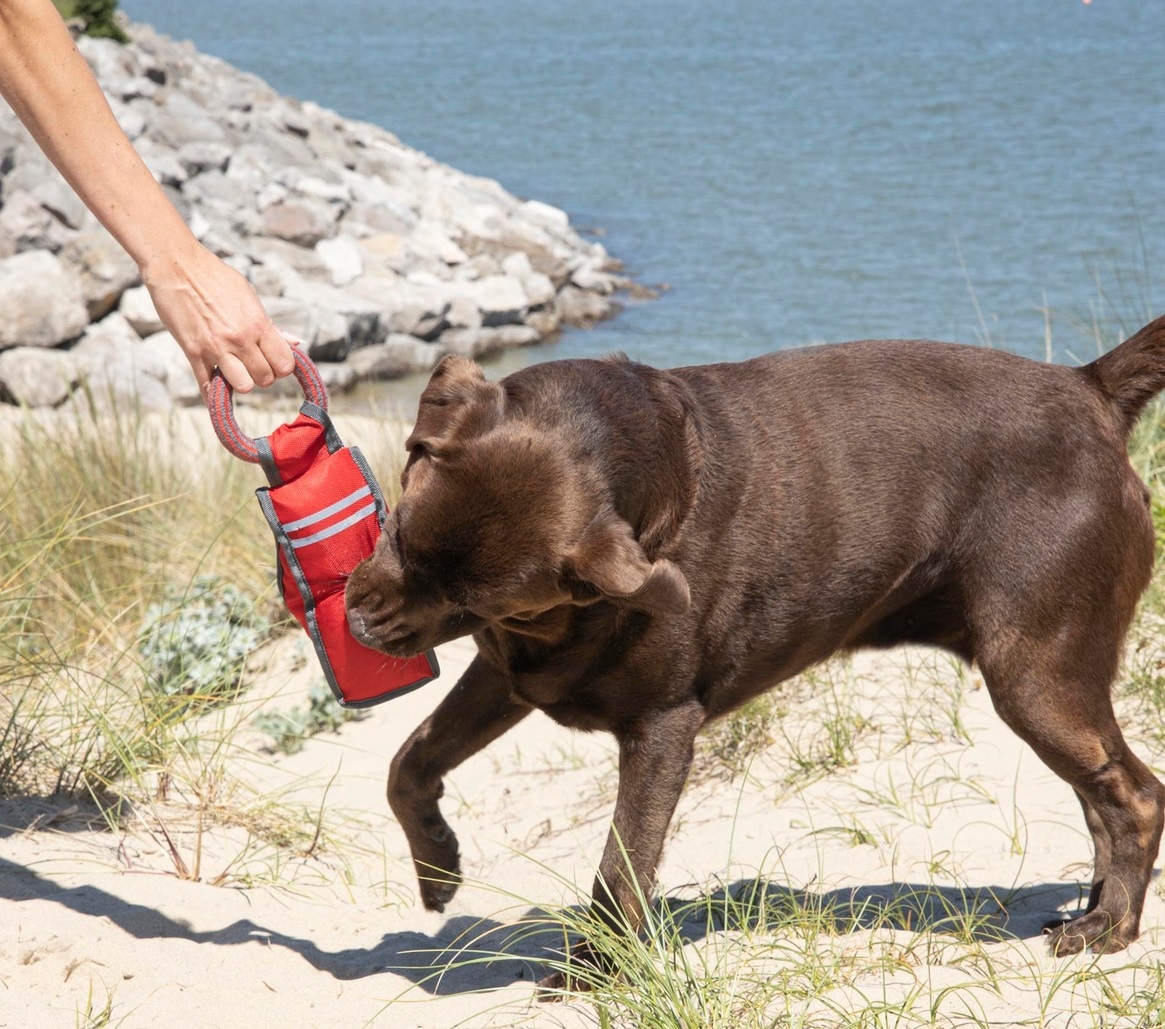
171, 260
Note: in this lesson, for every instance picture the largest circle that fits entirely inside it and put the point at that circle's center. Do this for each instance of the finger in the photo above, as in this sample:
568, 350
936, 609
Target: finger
236, 373
276, 349
203, 373
267, 356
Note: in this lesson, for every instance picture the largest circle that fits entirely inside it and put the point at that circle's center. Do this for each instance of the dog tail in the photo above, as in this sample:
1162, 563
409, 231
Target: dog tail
1133, 373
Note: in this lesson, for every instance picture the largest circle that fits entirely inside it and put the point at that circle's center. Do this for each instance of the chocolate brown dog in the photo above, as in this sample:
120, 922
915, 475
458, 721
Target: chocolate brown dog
642, 551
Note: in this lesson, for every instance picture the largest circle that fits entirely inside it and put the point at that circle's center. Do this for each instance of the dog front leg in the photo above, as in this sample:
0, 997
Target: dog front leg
473, 714
654, 758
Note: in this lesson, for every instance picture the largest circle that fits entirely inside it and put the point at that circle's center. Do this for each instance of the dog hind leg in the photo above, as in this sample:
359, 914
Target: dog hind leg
1102, 847
1058, 702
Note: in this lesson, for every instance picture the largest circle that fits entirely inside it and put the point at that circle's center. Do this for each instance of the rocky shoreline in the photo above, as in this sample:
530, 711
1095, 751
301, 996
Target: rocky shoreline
379, 258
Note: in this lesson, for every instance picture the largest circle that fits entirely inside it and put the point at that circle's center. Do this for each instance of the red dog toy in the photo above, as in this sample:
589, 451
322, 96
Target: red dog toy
326, 509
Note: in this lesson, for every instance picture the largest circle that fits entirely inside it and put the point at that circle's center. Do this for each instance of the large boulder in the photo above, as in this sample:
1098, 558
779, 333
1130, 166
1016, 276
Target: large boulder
26, 225
398, 355
119, 370
301, 220
361, 316
42, 301
500, 298
177, 374
575, 306
405, 307
326, 334
486, 341
34, 175
35, 377
105, 269
343, 259
138, 308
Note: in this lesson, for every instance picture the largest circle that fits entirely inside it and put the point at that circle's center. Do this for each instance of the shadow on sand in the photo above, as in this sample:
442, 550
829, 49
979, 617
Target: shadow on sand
471, 954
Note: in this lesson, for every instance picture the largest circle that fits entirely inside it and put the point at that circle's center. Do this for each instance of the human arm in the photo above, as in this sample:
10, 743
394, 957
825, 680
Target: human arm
209, 308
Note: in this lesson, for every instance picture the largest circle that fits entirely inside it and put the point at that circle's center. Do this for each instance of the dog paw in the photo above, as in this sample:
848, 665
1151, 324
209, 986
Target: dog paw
438, 886
553, 987
1093, 930
437, 859
584, 970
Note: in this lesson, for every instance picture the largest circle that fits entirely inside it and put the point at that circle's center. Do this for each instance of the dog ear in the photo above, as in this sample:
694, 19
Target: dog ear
607, 559
457, 402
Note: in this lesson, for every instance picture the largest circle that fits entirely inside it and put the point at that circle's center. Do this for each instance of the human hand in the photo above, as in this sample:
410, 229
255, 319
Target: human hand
218, 320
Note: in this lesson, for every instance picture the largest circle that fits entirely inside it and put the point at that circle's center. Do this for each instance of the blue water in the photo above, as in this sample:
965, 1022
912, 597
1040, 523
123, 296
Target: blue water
794, 171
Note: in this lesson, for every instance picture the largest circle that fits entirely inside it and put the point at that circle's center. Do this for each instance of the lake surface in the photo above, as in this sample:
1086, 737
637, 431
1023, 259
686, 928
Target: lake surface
795, 172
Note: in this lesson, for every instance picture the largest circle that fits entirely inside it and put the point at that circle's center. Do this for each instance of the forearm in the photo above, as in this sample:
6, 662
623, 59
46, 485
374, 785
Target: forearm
211, 309
50, 87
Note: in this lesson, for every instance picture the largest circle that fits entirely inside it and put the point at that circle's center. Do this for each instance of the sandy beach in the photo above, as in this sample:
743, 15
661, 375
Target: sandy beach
890, 797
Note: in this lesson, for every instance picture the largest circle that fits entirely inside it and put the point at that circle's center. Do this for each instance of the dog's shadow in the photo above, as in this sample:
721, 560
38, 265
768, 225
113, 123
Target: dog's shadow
479, 954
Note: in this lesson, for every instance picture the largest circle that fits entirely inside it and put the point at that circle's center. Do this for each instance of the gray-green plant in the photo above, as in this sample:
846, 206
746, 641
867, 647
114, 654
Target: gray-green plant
194, 642
290, 729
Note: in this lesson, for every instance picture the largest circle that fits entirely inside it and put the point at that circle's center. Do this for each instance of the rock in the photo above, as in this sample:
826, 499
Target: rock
432, 242
406, 308
517, 265
304, 261
113, 339
164, 166
385, 217
35, 377
130, 117
106, 58
361, 316
252, 167
343, 259
119, 384
485, 341
323, 333
271, 279
590, 276
41, 300
272, 193
213, 187
480, 266
577, 307
105, 269
44, 184
113, 343
140, 87
337, 376
300, 221
463, 313
181, 119
398, 355
545, 321
200, 156
544, 214
25, 225
539, 289
138, 309
176, 372
501, 299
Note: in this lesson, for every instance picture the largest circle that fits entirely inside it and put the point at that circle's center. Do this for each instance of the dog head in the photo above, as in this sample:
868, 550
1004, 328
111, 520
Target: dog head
505, 515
